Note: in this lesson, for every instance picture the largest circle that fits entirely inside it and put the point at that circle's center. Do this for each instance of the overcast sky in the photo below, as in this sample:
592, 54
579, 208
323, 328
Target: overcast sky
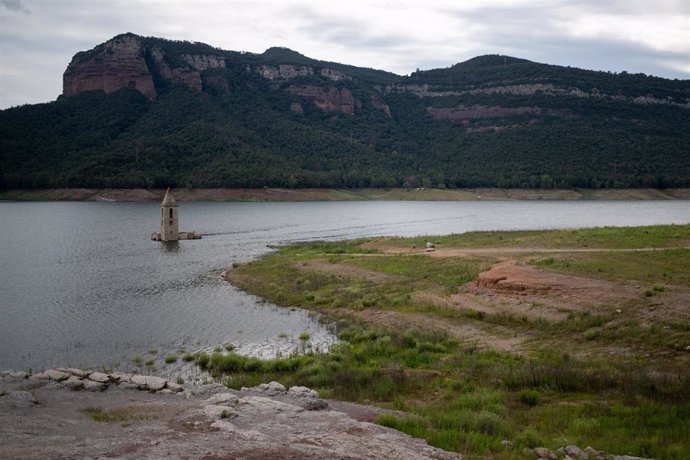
39, 37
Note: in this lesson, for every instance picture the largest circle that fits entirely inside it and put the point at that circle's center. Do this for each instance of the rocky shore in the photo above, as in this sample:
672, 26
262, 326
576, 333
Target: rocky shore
72, 413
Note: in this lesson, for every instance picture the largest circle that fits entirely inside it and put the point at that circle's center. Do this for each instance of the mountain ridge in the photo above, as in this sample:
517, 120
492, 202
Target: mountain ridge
149, 112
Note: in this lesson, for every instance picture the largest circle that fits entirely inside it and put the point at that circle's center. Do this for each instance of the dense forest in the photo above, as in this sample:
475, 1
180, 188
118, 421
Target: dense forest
492, 121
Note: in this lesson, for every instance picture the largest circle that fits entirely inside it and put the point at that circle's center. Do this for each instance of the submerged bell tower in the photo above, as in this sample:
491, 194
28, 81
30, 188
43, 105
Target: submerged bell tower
170, 222
169, 218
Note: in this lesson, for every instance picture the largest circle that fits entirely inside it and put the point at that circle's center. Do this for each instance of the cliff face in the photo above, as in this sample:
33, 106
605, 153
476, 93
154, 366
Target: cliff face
119, 63
132, 61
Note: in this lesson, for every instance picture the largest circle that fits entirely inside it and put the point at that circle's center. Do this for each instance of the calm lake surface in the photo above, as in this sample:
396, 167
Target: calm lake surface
82, 285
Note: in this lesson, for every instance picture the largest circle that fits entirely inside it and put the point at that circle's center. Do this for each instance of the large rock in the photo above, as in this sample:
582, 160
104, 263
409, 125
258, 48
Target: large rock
302, 392
90, 385
99, 377
52, 374
149, 382
74, 383
118, 63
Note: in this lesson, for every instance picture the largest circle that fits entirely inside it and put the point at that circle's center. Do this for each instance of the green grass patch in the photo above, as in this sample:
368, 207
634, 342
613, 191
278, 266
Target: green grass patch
466, 400
120, 415
600, 237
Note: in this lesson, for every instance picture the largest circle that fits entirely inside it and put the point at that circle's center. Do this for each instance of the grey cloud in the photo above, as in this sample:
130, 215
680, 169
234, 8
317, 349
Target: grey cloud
533, 33
345, 32
15, 5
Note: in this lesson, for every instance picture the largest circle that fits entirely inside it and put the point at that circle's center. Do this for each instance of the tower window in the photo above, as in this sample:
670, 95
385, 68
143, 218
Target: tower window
171, 213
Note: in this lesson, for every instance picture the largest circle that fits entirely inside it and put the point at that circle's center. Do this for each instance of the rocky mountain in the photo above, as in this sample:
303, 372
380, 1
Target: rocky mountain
148, 112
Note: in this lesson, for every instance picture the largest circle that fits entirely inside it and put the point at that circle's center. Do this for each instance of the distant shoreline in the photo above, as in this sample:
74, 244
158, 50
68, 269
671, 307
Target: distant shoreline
327, 194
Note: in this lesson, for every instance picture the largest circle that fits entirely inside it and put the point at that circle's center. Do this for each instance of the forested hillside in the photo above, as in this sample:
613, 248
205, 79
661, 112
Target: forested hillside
148, 112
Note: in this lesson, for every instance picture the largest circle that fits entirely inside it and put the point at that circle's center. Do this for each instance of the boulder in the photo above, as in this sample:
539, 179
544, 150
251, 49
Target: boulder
120, 377
90, 385
74, 371
99, 377
272, 388
575, 452
52, 374
543, 452
149, 382
302, 392
74, 383
174, 387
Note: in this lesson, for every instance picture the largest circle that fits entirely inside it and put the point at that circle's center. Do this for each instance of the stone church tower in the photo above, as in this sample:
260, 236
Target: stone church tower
169, 218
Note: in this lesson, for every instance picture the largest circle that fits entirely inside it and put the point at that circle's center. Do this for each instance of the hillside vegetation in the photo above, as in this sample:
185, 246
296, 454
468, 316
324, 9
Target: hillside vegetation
214, 118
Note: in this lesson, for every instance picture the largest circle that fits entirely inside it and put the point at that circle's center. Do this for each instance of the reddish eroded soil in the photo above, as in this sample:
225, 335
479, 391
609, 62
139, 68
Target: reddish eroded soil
514, 288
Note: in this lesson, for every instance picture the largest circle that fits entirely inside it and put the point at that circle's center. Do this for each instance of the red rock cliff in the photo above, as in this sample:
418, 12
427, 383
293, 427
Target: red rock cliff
119, 63
329, 100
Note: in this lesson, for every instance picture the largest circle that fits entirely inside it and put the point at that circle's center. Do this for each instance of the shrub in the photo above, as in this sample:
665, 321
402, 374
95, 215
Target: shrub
529, 397
171, 358
591, 334
202, 359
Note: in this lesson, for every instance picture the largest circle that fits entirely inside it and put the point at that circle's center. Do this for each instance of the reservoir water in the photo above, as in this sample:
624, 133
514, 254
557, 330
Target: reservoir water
81, 284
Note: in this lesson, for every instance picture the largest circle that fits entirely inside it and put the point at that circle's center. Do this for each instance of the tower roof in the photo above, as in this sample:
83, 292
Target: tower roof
169, 199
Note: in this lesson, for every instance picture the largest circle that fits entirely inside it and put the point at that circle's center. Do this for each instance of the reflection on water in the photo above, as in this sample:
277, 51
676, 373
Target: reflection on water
170, 246
82, 284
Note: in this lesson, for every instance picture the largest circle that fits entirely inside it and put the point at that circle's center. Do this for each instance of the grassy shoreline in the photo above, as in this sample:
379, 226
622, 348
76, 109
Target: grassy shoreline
277, 194
474, 367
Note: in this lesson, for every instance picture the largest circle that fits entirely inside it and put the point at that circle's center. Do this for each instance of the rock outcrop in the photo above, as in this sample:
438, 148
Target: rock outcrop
42, 417
122, 62
116, 64
329, 99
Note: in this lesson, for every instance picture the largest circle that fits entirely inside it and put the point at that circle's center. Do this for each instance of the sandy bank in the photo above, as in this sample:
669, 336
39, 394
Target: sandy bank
324, 194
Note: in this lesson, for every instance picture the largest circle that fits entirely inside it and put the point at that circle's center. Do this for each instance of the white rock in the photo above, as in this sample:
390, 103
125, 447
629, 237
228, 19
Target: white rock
74, 371
155, 383
74, 383
222, 399
303, 392
575, 452
99, 377
17, 374
166, 391
543, 452
90, 385
273, 388
174, 387
52, 374
120, 377
149, 382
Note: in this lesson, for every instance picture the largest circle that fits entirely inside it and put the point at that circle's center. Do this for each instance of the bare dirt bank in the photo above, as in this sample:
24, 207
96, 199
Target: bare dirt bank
325, 194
